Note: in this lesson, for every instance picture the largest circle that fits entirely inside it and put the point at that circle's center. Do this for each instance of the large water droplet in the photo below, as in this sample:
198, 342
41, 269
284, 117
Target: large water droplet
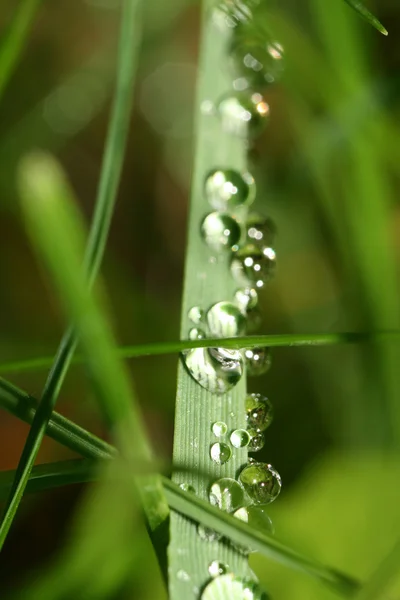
216, 568
216, 369
254, 264
262, 482
186, 487
259, 413
258, 361
234, 588
259, 61
220, 232
196, 334
257, 442
227, 494
219, 428
226, 320
196, 315
220, 453
227, 189
246, 298
207, 534
240, 438
260, 230
243, 114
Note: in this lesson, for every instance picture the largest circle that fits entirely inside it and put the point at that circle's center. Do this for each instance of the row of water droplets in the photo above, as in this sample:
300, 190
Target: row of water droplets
256, 60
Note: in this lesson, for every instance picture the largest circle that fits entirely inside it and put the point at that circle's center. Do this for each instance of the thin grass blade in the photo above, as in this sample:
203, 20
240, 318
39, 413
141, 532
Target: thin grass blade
361, 9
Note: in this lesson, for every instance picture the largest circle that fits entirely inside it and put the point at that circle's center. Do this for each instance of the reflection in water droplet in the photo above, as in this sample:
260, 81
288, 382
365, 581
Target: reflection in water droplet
233, 588
226, 320
216, 369
207, 534
216, 568
186, 487
254, 264
219, 428
256, 442
240, 438
260, 230
260, 61
182, 575
220, 453
196, 315
220, 232
258, 361
262, 482
243, 114
246, 298
196, 334
227, 189
259, 413
227, 494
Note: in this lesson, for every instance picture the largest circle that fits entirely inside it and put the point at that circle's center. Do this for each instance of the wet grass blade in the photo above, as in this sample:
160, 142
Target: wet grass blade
13, 40
360, 8
111, 169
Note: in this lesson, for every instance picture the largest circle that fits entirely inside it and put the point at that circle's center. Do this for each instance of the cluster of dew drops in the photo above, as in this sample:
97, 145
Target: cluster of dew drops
256, 61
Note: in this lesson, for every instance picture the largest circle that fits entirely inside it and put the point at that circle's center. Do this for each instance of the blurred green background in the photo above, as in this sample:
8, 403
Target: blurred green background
327, 169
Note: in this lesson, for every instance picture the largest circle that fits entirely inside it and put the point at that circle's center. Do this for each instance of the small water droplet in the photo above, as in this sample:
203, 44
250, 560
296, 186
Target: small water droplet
207, 534
220, 453
243, 113
258, 361
186, 487
220, 232
240, 438
257, 442
207, 108
254, 264
262, 482
260, 230
246, 298
219, 428
216, 369
216, 568
229, 13
196, 315
226, 320
255, 516
259, 413
227, 189
227, 494
234, 588
196, 334
256, 58
182, 575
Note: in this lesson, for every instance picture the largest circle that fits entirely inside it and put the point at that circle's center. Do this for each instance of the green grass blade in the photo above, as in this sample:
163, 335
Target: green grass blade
367, 15
378, 586
14, 39
111, 169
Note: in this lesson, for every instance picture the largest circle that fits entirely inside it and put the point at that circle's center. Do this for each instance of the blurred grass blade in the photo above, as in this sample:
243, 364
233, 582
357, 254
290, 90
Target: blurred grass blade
367, 15
13, 40
378, 586
111, 169
57, 234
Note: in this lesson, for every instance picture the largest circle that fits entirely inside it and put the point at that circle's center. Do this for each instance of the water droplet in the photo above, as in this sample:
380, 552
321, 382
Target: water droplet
254, 319
246, 298
258, 361
207, 534
256, 516
254, 264
260, 230
196, 315
259, 413
229, 13
216, 369
227, 189
186, 487
243, 114
234, 588
220, 453
216, 568
256, 442
225, 320
219, 429
259, 61
227, 494
196, 334
240, 438
220, 232
262, 482
182, 575
207, 108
